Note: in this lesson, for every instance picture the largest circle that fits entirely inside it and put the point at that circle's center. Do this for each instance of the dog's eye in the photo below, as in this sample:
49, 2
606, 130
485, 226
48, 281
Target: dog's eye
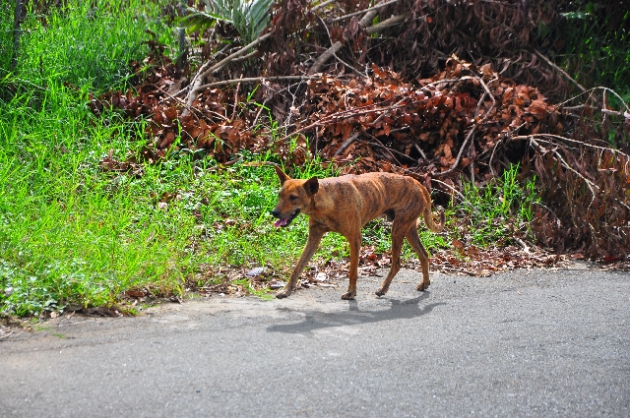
293, 198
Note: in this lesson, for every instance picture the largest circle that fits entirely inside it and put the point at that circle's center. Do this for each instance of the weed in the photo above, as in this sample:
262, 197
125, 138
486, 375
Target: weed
500, 208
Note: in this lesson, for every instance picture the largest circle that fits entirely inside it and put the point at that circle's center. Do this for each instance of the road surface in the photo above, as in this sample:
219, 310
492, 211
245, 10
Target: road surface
539, 343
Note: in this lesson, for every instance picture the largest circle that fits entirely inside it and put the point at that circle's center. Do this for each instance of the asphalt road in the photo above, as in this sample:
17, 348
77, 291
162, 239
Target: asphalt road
537, 343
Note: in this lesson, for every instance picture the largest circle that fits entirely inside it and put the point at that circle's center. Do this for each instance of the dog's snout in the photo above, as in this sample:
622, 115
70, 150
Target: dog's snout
275, 213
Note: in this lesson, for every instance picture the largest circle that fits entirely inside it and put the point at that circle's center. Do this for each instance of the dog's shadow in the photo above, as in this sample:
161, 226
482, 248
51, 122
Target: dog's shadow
314, 320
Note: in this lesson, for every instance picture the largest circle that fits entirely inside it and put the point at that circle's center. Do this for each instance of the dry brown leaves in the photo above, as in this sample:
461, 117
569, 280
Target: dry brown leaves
425, 123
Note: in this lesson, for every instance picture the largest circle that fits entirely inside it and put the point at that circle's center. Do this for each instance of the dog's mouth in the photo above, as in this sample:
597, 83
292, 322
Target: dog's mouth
283, 222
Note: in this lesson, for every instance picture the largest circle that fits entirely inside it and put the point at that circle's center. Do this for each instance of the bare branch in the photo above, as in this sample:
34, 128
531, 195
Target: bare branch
392, 21
256, 79
560, 70
203, 72
346, 144
333, 52
367, 18
371, 9
575, 141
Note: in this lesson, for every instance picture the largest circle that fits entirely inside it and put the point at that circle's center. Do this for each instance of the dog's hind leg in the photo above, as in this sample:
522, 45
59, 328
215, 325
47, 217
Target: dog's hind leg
398, 234
353, 273
314, 237
416, 244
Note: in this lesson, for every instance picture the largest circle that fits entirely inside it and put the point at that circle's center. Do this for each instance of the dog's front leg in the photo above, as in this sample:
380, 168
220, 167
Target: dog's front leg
353, 273
315, 235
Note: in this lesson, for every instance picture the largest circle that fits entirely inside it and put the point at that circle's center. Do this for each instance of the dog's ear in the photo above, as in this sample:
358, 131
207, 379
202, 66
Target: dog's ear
283, 177
311, 186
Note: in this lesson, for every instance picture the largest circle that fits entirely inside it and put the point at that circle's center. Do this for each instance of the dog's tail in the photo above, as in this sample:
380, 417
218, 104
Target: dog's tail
429, 219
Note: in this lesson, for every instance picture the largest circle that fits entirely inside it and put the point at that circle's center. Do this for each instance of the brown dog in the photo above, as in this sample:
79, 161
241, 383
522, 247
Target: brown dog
345, 204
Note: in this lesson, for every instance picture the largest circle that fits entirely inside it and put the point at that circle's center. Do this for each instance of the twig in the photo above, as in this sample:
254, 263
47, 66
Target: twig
472, 166
189, 108
454, 190
386, 112
256, 79
371, 9
201, 69
6, 336
203, 72
560, 70
235, 106
392, 21
522, 244
387, 149
575, 141
244, 57
264, 103
494, 174
548, 209
332, 51
615, 113
604, 101
346, 144
236, 54
424, 157
591, 90
496, 146
292, 109
260, 163
321, 60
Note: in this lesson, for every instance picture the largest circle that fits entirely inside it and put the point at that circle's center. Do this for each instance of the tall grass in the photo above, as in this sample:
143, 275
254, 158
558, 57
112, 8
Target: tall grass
67, 232
88, 43
500, 209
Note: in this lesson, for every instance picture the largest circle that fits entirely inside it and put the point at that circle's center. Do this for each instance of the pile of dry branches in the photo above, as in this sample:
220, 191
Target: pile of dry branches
382, 88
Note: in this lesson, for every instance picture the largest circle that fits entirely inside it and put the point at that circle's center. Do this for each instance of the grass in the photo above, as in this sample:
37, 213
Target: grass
71, 233
501, 209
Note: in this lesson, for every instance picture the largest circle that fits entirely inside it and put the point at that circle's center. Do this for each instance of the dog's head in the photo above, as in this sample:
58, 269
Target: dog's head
294, 197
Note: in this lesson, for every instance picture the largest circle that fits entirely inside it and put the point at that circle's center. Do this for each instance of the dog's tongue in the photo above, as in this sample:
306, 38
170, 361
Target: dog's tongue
280, 222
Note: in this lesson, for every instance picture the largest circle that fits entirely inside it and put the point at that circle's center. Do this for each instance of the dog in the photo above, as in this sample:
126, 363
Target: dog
344, 205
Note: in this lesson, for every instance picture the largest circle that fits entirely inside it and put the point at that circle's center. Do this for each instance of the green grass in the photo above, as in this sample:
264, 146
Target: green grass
500, 209
88, 43
71, 233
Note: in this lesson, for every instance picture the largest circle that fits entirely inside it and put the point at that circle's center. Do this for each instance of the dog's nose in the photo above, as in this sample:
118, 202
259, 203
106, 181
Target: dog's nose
275, 213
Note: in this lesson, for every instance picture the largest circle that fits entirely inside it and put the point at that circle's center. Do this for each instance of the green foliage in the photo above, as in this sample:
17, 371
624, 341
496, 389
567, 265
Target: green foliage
87, 43
249, 18
595, 44
501, 208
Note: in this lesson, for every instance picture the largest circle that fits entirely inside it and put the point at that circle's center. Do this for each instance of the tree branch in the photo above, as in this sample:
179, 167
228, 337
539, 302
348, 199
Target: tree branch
203, 73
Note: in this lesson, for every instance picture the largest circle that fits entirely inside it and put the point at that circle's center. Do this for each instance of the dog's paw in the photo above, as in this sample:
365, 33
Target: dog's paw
348, 295
283, 294
422, 287
380, 292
